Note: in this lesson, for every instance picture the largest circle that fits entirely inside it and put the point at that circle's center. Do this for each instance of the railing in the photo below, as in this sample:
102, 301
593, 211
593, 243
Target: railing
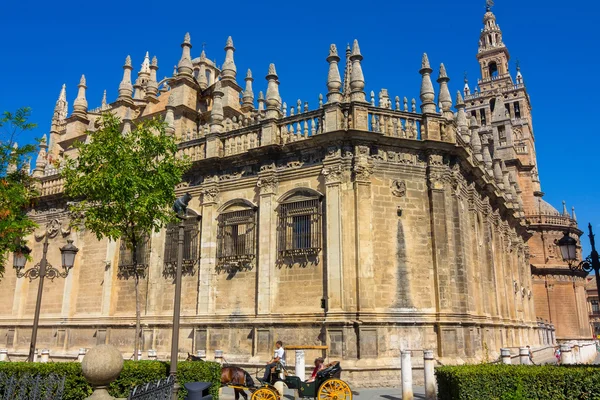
241, 141
549, 219
161, 389
521, 148
30, 387
52, 185
301, 126
476, 95
394, 123
195, 152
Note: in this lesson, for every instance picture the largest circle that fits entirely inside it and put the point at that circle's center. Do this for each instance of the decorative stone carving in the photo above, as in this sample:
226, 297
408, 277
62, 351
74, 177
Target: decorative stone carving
232, 176
182, 185
53, 227
363, 172
436, 160
210, 194
267, 184
399, 188
332, 152
333, 174
268, 167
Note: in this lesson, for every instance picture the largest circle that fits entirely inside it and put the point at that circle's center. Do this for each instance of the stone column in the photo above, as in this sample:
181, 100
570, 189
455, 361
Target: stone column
267, 237
524, 355
45, 356
300, 366
406, 365
208, 250
566, 356
3, 355
333, 174
428, 367
505, 355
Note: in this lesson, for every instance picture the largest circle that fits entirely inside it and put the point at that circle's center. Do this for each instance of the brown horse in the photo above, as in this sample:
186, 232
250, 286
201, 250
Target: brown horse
236, 376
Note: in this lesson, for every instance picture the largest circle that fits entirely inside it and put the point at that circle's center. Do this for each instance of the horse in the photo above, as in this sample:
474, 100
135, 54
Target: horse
238, 377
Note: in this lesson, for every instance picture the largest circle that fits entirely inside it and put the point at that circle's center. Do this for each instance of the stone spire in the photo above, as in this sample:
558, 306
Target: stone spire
506, 181
466, 89
519, 75
357, 80
229, 71
125, 87
80, 105
103, 104
461, 117
273, 98
261, 101
347, 74
41, 160
170, 117
475, 139
145, 70
60, 109
127, 123
152, 86
248, 95
565, 212
427, 94
498, 177
202, 80
487, 156
185, 66
444, 97
138, 92
334, 82
573, 216
216, 114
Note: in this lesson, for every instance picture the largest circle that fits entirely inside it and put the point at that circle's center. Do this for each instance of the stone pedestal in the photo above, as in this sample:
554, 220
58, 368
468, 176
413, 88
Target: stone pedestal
566, 356
406, 365
524, 355
152, 355
505, 355
100, 366
45, 356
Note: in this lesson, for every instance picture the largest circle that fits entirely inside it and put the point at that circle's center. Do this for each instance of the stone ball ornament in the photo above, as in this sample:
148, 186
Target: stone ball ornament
102, 365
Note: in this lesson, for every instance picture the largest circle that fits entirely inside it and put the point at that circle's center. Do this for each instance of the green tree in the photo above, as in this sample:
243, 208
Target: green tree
123, 186
16, 186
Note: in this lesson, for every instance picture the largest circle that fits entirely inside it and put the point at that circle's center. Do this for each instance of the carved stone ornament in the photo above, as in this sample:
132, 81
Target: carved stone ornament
210, 194
399, 188
332, 174
332, 152
182, 185
268, 167
267, 184
53, 227
436, 159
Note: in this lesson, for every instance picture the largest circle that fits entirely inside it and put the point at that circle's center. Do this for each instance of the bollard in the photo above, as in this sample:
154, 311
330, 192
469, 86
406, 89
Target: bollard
524, 355
152, 355
566, 357
201, 354
139, 355
35, 356
407, 389
80, 355
101, 366
505, 355
45, 356
428, 368
3, 355
300, 365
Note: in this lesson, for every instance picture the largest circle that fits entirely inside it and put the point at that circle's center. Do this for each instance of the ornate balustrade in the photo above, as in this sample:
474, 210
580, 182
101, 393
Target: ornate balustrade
392, 123
521, 148
301, 126
52, 185
550, 219
194, 151
241, 140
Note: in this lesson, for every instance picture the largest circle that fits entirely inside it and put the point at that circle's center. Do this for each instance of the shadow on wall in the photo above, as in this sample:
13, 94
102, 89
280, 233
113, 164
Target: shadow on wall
403, 298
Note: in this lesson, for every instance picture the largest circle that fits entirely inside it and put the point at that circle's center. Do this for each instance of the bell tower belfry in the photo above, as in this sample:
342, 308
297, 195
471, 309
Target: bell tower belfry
492, 55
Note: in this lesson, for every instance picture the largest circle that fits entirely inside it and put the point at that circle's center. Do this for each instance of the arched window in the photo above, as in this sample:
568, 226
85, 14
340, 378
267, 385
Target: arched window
127, 266
300, 224
191, 245
236, 236
207, 74
493, 69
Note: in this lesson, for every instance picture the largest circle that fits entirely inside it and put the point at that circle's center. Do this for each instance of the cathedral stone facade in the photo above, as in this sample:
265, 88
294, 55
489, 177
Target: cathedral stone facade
365, 225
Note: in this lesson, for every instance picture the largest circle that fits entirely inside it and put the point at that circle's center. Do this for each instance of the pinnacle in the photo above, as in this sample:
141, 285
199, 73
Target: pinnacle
261, 96
249, 74
203, 54
333, 51
425, 61
443, 73
474, 123
45, 140
187, 38
355, 48
272, 70
154, 61
63, 92
128, 61
229, 42
82, 81
459, 98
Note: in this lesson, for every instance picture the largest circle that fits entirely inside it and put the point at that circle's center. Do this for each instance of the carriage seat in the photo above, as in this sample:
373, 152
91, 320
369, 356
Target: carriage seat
331, 370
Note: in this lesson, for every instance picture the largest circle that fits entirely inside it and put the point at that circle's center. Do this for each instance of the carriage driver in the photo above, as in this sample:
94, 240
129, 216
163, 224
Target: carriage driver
278, 357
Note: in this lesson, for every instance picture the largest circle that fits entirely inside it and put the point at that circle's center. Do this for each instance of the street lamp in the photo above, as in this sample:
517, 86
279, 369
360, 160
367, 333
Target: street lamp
568, 249
180, 208
42, 270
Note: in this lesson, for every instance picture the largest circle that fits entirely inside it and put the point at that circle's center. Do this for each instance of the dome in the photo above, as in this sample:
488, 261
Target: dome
546, 208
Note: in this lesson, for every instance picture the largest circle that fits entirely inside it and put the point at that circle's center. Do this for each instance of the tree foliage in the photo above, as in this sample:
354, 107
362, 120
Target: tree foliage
123, 184
16, 186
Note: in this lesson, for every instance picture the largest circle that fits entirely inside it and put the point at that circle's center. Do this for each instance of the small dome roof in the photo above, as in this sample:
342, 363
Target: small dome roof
546, 208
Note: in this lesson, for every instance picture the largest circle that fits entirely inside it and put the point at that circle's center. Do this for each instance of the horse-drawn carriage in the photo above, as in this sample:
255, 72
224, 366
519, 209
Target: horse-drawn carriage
326, 386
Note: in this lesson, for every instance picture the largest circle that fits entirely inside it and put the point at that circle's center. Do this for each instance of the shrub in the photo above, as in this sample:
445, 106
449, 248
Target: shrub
134, 373
506, 382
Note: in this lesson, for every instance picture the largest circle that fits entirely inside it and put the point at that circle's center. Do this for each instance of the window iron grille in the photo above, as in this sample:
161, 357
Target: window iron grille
236, 240
127, 267
191, 247
300, 228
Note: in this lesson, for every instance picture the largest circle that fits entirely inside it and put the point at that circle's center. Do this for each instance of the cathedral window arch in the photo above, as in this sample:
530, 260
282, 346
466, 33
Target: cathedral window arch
128, 267
236, 235
493, 69
300, 224
191, 245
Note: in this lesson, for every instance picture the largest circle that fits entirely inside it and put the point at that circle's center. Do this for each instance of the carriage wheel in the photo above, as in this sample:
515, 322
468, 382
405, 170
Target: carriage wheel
335, 389
264, 393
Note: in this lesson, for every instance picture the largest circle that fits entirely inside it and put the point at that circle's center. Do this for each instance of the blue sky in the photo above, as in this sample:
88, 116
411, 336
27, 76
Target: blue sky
47, 44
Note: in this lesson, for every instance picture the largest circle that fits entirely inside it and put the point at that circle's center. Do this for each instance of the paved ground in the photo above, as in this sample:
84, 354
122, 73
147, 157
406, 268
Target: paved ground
358, 394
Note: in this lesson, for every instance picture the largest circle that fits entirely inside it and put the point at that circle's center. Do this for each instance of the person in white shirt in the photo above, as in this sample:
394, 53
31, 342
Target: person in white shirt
278, 357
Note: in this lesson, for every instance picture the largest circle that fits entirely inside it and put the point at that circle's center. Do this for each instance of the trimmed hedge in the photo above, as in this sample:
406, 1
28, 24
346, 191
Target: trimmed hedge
134, 373
515, 382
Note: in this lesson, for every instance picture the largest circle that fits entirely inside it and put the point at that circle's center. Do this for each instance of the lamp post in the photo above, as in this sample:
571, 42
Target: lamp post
568, 249
42, 270
180, 208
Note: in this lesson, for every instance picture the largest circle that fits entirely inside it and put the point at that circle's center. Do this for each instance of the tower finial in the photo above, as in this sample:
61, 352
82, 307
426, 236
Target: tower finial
427, 93
573, 216
103, 104
488, 5
565, 212
185, 63
61, 107
125, 87
444, 97
80, 105
229, 71
334, 82
273, 97
152, 86
248, 95
347, 73
216, 113
357, 79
